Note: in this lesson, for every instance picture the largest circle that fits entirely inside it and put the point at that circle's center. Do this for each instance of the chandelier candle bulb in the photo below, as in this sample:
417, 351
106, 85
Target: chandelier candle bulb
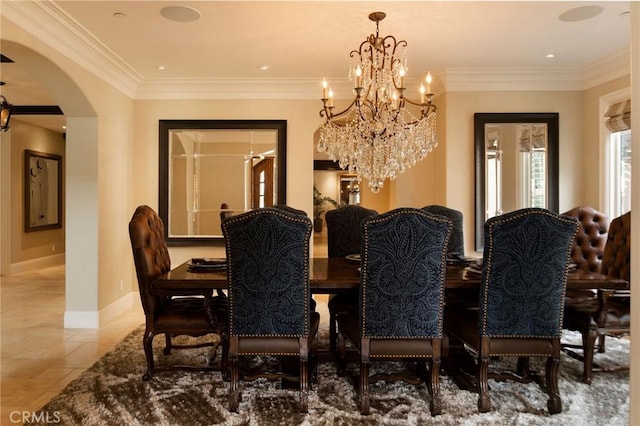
429, 80
381, 133
324, 88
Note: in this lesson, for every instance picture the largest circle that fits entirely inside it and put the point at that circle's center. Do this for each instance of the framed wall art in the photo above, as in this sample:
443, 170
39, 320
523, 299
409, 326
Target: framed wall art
42, 191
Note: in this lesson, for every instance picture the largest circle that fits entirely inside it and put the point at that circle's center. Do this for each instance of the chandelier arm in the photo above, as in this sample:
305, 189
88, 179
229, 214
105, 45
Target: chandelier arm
328, 115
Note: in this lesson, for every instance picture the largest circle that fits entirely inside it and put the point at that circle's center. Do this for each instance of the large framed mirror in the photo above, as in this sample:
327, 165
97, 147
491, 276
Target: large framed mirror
210, 169
516, 164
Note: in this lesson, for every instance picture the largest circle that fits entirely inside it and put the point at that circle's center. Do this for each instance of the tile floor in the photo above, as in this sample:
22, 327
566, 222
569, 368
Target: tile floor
38, 356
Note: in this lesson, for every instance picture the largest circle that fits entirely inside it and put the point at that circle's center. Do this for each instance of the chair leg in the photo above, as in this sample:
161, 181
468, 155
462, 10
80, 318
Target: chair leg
304, 383
484, 405
224, 362
333, 333
588, 347
147, 341
167, 344
601, 347
342, 355
434, 383
555, 403
234, 393
365, 401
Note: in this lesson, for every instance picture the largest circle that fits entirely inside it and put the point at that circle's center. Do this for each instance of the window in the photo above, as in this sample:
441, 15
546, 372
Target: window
618, 156
619, 178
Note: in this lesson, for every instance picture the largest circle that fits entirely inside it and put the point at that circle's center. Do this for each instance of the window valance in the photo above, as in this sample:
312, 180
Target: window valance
618, 116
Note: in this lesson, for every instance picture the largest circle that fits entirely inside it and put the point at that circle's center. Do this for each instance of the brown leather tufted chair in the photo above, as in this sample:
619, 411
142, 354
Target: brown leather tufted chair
196, 315
588, 245
611, 315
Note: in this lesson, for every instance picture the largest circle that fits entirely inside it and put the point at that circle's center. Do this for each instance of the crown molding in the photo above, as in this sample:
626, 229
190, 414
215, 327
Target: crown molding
615, 66
54, 27
229, 88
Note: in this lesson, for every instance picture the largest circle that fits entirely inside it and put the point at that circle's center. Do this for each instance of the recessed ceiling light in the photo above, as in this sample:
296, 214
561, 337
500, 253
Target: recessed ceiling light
119, 15
180, 13
580, 13
263, 67
161, 67
624, 14
550, 55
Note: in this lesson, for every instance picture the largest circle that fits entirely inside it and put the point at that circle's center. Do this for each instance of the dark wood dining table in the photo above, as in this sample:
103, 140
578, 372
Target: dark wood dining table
333, 275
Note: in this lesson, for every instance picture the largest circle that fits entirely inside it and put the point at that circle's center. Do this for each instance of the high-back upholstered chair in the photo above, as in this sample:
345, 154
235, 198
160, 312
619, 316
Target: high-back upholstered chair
401, 298
456, 241
268, 275
586, 253
588, 246
343, 239
611, 317
524, 277
191, 316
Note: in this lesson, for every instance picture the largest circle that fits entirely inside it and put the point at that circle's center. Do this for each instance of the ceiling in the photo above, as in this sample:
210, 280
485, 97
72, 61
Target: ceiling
303, 41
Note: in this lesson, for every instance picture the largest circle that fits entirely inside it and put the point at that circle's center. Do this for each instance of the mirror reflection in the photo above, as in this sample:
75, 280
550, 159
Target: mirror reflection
516, 164
214, 170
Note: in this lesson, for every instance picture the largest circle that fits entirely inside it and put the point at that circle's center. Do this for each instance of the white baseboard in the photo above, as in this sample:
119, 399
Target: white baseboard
40, 262
95, 319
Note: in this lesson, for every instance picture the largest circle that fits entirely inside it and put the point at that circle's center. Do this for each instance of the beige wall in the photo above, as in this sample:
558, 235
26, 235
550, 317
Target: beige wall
459, 144
32, 245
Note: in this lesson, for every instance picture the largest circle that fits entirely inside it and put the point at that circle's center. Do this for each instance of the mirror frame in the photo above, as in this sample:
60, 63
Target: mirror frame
165, 126
551, 119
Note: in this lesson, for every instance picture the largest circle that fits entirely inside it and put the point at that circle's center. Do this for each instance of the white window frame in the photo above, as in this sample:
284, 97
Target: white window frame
605, 195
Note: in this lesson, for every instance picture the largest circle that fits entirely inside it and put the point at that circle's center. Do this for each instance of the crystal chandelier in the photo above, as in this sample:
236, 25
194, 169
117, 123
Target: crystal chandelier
377, 136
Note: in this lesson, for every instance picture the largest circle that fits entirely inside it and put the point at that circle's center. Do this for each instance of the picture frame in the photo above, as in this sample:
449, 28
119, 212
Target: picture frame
42, 191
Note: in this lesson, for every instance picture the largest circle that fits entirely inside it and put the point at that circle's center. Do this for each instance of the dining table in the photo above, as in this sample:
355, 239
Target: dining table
334, 275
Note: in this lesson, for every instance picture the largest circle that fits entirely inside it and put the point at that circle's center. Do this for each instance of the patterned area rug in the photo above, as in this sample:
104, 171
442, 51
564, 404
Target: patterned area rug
112, 392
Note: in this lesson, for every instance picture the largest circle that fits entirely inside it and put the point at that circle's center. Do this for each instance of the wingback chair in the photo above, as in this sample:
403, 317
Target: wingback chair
343, 239
456, 241
401, 299
268, 276
524, 277
586, 253
192, 316
611, 315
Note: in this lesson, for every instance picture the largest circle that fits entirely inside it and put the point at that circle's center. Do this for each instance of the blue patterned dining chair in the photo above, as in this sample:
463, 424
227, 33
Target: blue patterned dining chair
524, 277
343, 239
268, 276
456, 241
401, 300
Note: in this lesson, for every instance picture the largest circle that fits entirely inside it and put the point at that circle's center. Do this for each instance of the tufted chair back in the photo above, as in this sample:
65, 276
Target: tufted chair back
524, 273
343, 229
268, 272
150, 253
456, 241
616, 260
588, 246
404, 259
